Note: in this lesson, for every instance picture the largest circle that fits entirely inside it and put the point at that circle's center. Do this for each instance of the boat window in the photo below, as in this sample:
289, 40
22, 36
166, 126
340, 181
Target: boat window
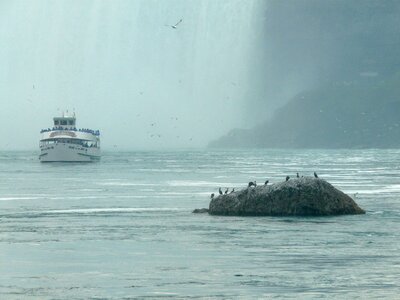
56, 122
71, 122
63, 122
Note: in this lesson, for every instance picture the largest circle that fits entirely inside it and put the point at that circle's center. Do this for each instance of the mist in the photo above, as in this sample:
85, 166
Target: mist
328, 77
123, 69
127, 70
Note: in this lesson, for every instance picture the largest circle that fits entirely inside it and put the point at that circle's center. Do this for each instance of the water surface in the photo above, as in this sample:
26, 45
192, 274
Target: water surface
123, 228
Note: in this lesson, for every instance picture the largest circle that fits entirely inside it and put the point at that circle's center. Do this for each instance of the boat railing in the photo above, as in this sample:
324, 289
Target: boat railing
86, 130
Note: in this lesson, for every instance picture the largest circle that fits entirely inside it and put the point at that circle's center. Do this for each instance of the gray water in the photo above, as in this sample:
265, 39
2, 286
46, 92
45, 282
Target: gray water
123, 228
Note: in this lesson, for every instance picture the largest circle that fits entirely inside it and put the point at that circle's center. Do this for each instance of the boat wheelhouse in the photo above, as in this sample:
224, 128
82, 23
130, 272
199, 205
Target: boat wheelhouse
64, 142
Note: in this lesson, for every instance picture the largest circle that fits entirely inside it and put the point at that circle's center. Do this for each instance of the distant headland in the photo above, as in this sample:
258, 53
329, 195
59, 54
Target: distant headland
354, 116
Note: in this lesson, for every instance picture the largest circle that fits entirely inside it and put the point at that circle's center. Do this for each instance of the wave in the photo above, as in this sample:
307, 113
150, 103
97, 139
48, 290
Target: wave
125, 184
19, 198
187, 183
387, 189
112, 210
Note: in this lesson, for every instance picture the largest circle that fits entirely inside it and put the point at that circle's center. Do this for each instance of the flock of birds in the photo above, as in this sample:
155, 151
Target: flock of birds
253, 183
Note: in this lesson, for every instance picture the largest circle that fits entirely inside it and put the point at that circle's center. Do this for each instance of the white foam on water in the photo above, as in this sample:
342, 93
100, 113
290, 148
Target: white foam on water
165, 293
91, 190
77, 197
178, 194
379, 212
393, 187
164, 170
147, 190
189, 194
111, 209
348, 182
125, 184
387, 189
190, 183
375, 170
19, 198
253, 172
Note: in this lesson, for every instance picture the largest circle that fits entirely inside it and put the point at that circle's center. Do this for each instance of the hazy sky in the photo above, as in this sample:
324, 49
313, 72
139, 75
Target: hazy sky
125, 71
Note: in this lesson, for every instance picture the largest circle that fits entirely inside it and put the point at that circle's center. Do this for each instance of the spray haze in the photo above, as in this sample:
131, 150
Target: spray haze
126, 70
328, 77
170, 74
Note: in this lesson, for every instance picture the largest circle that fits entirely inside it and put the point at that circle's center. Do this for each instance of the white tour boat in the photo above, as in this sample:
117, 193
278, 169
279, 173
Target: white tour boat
64, 142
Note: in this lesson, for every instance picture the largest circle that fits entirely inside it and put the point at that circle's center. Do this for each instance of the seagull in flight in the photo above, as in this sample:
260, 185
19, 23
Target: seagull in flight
176, 25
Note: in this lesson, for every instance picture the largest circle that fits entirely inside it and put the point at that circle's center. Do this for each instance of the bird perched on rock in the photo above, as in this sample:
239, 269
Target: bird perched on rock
266, 182
220, 191
226, 191
255, 183
297, 175
315, 175
287, 178
251, 183
212, 196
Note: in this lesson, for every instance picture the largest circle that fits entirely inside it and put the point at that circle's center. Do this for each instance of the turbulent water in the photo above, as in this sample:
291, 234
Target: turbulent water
123, 228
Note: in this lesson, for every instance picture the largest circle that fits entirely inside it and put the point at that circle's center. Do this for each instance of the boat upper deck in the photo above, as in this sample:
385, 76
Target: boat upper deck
60, 128
69, 134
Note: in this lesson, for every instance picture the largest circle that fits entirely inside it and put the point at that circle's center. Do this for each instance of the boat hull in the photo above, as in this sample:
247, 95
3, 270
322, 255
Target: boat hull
66, 152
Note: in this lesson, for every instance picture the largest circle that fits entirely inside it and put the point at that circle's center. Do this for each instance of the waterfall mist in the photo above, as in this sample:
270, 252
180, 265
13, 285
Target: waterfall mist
126, 71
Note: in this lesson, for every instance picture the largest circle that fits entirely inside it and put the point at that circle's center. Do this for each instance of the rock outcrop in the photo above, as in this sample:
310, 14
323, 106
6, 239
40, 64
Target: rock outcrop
297, 197
200, 211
